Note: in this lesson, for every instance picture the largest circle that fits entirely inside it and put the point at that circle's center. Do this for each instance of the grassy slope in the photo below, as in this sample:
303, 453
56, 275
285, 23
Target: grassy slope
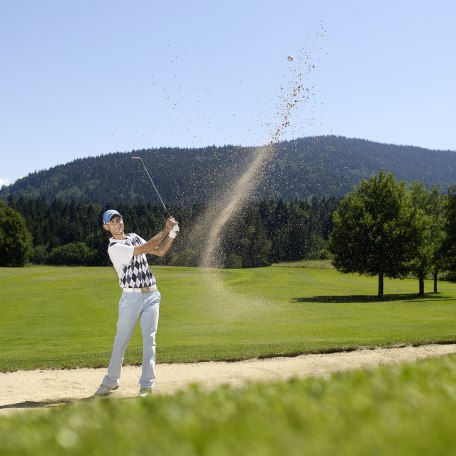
65, 317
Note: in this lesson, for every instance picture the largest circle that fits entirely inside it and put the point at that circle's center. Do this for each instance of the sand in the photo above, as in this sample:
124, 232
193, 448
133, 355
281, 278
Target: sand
42, 389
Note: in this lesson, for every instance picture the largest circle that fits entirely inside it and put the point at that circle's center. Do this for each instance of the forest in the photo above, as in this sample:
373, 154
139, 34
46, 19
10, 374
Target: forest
321, 167
71, 233
381, 228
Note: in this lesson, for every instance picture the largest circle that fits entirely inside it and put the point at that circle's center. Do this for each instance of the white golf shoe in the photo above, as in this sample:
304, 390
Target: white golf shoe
146, 391
104, 390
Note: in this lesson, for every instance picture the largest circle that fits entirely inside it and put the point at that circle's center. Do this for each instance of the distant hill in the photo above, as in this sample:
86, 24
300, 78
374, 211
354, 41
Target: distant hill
314, 166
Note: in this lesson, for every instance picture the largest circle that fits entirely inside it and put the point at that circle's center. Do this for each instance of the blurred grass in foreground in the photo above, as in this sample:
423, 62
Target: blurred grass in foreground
391, 410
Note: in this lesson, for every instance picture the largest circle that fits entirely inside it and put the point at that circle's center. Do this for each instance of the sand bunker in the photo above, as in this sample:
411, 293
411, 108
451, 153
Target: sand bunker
41, 389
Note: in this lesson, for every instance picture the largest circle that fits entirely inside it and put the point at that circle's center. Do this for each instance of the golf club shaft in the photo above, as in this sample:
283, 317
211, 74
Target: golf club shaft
155, 188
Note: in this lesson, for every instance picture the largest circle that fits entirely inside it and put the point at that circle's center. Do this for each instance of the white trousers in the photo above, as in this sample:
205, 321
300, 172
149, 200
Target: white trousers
133, 307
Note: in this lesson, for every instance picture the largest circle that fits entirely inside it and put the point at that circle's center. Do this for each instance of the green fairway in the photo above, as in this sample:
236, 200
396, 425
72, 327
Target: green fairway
393, 410
60, 317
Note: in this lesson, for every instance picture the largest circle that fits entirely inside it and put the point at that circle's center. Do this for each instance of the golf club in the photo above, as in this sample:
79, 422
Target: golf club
155, 188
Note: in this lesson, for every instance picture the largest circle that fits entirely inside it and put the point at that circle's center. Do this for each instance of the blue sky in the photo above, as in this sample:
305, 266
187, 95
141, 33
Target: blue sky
85, 78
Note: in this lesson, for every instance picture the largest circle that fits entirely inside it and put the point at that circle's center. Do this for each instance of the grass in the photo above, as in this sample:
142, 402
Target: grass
310, 264
392, 410
65, 317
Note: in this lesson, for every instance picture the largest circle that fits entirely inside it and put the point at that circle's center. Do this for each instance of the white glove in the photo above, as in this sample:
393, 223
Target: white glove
174, 230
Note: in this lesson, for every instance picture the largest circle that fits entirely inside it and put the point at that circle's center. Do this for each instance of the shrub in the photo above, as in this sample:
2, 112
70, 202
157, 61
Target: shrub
73, 254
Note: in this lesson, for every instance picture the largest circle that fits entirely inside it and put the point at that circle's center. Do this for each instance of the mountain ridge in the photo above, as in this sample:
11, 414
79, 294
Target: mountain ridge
322, 166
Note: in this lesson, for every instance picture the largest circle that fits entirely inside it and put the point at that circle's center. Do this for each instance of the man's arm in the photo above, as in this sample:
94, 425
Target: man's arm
163, 247
160, 243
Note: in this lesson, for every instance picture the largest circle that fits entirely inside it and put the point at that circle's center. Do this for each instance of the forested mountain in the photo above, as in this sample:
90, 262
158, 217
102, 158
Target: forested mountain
323, 166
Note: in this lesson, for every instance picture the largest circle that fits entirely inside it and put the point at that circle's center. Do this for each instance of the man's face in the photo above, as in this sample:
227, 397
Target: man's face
115, 226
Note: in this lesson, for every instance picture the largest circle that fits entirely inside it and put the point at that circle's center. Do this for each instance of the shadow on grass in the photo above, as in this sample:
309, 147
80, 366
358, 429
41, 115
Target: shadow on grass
44, 404
60, 402
370, 298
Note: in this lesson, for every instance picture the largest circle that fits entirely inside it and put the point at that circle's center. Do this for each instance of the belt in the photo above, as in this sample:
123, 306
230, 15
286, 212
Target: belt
140, 290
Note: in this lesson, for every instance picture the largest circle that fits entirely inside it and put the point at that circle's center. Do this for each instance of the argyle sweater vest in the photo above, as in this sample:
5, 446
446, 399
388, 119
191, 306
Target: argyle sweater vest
137, 273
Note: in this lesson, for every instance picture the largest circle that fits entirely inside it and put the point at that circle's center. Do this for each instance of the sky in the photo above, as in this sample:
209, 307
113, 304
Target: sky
86, 78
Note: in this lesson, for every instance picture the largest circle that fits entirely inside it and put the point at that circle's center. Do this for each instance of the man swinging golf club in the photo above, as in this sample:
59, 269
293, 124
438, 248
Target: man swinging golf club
140, 298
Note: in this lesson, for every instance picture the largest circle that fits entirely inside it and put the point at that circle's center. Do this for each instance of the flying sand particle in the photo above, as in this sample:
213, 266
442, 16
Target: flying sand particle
223, 209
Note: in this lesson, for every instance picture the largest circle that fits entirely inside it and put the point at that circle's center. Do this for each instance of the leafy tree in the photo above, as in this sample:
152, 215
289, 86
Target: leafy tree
448, 250
15, 239
233, 261
40, 254
185, 257
277, 221
318, 248
297, 242
247, 240
429, 216
73, 254
373, 233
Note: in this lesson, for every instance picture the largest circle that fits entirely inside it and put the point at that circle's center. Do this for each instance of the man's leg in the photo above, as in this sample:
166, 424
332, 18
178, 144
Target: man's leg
149, 325
130, 306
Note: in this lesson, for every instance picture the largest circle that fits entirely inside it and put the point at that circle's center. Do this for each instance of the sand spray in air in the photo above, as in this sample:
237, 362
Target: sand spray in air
226, 207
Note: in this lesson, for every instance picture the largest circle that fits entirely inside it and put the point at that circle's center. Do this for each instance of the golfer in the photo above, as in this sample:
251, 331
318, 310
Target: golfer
140, 298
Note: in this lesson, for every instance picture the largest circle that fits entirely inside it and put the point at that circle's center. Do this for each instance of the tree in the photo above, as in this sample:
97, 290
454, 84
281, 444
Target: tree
372, 230
429, 216
40, 254
15, 239
247, 241
448, 250
277, 225
297, 232
72, 254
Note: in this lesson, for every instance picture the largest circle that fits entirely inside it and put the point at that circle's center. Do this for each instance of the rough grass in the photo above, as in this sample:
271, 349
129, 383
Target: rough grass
309, 264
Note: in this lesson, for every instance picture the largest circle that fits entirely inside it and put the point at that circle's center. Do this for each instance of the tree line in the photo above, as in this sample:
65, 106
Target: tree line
71, 233
384, 228
381, 228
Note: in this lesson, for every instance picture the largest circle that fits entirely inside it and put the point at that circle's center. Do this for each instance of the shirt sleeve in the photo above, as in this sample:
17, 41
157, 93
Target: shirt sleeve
120, 254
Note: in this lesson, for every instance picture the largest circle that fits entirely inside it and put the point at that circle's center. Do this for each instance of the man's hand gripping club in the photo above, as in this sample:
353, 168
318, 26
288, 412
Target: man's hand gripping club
161, 242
